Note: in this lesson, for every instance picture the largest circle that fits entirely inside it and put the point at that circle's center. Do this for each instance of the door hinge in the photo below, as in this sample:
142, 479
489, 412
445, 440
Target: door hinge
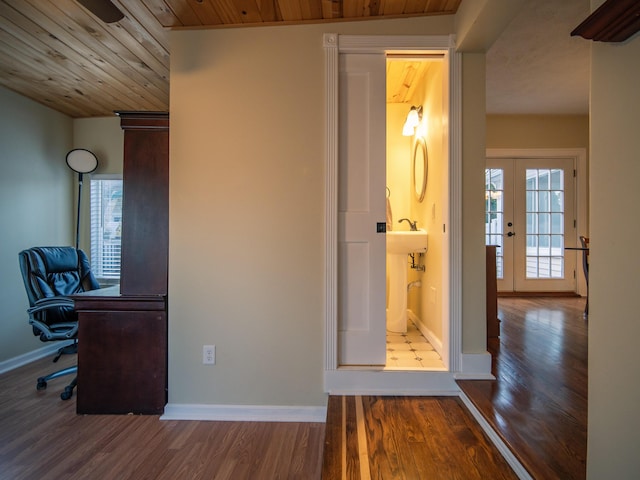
574, 173
575, 224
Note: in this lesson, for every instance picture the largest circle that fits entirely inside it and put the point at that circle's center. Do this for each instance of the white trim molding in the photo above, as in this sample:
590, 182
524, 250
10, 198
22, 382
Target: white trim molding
244, 413
495, 438
364, 381
347, 380
32, 356
331, 203
475, 366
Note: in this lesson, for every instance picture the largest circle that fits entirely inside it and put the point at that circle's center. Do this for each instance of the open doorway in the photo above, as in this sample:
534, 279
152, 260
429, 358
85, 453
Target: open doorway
417, 195
346, 291
367, 123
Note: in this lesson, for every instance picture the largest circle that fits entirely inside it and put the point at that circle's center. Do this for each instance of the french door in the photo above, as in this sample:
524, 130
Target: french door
530, 217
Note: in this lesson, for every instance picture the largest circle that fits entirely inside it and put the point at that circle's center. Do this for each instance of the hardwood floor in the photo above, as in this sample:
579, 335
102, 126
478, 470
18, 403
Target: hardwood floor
408, 438
538, 403
41, 437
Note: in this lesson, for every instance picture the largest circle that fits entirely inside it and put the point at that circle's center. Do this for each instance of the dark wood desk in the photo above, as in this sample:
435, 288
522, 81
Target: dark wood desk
122, 333
493, 322
122, 353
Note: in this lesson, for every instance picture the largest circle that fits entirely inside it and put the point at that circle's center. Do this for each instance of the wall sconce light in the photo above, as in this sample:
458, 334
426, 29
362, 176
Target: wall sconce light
413, 120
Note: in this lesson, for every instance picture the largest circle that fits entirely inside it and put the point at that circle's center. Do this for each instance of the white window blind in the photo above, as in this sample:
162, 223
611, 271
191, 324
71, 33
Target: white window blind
106, 226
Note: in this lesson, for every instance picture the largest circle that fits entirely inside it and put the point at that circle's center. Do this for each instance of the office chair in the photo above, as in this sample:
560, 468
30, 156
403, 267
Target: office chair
50, 275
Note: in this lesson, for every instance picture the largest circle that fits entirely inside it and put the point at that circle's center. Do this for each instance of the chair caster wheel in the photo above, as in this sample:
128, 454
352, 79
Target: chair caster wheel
67, 394
41, 385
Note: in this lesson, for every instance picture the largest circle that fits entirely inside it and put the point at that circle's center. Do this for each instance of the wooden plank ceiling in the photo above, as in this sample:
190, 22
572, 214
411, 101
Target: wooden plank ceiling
59, 54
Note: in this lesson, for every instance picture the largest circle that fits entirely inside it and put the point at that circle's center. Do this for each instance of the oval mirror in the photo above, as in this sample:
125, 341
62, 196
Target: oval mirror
420, 168
81, 160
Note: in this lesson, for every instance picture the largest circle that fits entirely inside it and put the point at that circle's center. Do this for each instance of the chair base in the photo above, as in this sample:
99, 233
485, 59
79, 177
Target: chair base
70, 349
68, 390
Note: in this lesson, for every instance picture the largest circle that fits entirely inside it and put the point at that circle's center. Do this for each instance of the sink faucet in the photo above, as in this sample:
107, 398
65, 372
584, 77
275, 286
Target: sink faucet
412, 225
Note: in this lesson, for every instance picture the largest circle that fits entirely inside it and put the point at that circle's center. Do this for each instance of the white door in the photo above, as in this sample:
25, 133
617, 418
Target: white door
361, 207
530, 215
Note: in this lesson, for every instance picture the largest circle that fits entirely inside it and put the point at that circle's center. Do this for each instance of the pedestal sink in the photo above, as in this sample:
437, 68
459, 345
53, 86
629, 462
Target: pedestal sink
399, 245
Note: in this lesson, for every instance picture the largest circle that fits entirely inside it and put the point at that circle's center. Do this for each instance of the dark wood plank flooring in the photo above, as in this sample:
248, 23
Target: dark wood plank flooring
409, 438
538, 402
538, 405
42, 437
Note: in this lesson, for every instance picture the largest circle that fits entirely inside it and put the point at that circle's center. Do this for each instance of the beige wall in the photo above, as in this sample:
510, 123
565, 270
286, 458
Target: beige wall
104, 137
246, 210
398, 163
473, 160
537, 131
430, 213
614, 329
36, 199
523, 132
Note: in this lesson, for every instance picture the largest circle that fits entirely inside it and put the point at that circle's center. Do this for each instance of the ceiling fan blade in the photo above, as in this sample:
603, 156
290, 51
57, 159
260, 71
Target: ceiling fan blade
103, 9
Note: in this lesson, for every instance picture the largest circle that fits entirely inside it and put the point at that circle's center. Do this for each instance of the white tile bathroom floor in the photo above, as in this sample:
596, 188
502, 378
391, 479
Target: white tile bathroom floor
411, 351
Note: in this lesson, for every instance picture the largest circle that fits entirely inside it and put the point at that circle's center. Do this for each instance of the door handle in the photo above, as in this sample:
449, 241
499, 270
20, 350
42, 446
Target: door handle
510, 234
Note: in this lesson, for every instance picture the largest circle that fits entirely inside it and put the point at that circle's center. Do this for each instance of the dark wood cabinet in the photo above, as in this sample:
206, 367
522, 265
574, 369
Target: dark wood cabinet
145, 207
493, 322
122, 335
122, 354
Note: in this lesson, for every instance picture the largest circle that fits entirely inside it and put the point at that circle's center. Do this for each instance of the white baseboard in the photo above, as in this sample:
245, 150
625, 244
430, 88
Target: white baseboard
244, 413
513, 462
32, 356
435, 342
475, 366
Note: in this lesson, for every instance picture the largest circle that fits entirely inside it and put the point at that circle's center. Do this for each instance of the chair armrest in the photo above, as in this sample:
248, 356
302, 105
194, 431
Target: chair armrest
58, 331
51, 302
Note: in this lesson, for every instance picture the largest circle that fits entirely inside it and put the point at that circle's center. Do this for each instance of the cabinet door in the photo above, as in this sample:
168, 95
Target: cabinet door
122, 362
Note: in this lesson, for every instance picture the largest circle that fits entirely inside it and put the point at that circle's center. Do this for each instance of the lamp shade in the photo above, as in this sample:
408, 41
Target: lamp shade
413, 120
81, 160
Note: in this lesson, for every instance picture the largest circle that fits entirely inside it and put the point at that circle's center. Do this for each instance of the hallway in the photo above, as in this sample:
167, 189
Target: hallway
538, 403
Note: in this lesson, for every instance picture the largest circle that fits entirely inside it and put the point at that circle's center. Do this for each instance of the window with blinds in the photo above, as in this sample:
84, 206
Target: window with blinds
106, 226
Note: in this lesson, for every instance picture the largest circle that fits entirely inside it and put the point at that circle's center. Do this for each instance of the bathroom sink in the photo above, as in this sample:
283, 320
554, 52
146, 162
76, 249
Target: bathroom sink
405, 242
399, 245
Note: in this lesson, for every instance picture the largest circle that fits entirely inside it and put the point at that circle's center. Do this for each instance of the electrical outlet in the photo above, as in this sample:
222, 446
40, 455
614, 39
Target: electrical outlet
209, 354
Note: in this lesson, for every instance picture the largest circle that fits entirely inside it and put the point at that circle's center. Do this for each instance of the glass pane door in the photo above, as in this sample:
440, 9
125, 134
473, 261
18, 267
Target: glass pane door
545, 223
529, 216
544, 214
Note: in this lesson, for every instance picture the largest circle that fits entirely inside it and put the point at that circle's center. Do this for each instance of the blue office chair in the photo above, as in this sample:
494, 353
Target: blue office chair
50, 275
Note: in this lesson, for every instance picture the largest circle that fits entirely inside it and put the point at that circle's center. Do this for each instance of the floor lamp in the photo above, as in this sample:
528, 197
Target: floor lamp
82, 161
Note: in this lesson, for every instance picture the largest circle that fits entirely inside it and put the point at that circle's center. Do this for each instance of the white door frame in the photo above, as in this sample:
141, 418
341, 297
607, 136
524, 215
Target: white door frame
345, 379
579, 156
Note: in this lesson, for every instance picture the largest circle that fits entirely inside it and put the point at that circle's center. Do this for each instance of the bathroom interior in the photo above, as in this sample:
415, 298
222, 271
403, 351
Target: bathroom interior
416, 181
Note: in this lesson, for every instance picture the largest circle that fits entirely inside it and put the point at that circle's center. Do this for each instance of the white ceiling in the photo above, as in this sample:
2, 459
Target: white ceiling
536, 66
